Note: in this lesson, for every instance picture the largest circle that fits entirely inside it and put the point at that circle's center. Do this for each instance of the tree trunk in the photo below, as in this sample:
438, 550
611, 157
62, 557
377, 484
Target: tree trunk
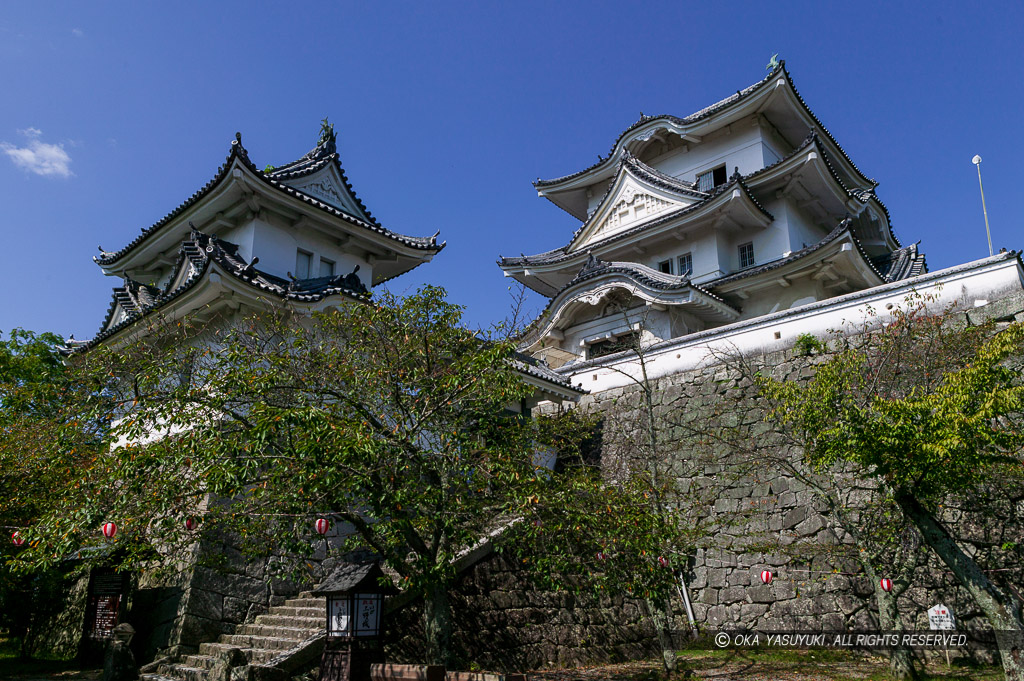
661, 616
1003, 610
437, 625
901, 659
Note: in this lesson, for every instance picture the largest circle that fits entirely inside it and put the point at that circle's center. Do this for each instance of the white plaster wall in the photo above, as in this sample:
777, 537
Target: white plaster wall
276, 245
741, 147
965, 286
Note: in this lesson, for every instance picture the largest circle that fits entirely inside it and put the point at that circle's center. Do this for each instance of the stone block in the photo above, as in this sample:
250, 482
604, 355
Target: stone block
794, 517
811, 526
717, 616
1003, 309
732, 594
751, 613
203, 603
709, 597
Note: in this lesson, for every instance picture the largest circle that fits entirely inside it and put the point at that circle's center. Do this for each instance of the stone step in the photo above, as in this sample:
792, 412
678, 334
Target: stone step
182, 672
294, 611
295, 622
198, 661
156, 677
247, 641
301, 602
263, 630
260, 656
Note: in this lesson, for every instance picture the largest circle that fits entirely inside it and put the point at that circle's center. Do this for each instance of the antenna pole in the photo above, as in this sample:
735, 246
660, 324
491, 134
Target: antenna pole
977, 161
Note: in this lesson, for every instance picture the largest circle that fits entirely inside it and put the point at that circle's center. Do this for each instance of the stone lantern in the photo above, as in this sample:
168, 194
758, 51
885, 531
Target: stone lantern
355, 604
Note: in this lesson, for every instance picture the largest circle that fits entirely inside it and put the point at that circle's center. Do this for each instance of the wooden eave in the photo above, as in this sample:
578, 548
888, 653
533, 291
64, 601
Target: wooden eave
775, 99
840, 264
239, 196
733, 206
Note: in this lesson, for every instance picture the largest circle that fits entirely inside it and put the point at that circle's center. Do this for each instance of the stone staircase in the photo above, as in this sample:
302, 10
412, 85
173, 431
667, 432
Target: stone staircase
282, 629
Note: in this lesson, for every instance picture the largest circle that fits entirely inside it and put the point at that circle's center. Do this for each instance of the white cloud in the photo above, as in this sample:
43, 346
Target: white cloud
77, 32
37, 156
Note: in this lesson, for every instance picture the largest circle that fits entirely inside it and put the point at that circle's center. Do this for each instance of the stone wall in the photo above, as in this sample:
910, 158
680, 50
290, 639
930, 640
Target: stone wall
503, 622
761, 518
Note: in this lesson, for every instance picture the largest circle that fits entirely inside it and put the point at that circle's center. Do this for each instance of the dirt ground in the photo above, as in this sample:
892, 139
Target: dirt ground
789, 665
755, 665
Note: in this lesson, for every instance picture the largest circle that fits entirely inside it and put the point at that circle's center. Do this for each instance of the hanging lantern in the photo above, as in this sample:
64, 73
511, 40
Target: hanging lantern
109, 530
663, 561
17, 538
886, 584
601, 555
766, 576
190, 524
322, 525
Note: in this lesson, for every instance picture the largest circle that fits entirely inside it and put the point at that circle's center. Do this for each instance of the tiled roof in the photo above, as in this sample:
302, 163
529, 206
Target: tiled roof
539, 369
194, 258
705, 113
325, 153
239, 153
641, 274
562, 253
902, 263
911, 263
812, 140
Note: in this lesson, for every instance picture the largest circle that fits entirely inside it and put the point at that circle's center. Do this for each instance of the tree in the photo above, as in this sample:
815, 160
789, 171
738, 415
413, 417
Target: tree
44, 442
925, 409
389, 418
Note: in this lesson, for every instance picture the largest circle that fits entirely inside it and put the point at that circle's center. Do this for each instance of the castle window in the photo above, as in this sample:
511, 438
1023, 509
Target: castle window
710, 179
326, 268
685, 265
608, 346
665, 266
303, 263
746, 254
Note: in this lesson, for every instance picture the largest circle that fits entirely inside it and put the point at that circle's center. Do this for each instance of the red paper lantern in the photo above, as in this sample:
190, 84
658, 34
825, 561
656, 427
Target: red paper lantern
886, 584
662, 561
190, 524
17, 538
601, 555
109, 530
766, 576
322, 525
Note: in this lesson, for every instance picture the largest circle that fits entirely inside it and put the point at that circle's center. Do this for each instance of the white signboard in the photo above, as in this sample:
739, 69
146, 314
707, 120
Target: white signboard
367, 614
339, 615
941, 617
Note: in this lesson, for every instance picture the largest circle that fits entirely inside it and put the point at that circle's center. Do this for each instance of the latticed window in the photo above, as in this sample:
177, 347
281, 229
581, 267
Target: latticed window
746, 255
610, 346
710, 179
685, 263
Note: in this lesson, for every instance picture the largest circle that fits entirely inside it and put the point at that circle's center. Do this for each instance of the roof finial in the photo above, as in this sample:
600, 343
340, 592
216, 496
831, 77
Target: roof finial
327, 135
238, 137
774, 63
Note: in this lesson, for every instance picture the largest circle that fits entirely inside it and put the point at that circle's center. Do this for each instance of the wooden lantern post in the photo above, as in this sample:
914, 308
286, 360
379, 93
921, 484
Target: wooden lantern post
355, 604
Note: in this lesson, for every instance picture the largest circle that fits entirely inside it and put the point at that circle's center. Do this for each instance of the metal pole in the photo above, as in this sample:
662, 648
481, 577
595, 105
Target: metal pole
977, 161
685, 593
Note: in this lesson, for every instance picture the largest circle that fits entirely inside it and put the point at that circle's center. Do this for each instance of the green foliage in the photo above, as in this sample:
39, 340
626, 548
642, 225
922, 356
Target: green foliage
388, 418
925, 407
268, 168
807, 344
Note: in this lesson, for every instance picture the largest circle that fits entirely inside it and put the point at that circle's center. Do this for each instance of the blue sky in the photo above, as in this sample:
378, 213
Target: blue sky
113, 113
